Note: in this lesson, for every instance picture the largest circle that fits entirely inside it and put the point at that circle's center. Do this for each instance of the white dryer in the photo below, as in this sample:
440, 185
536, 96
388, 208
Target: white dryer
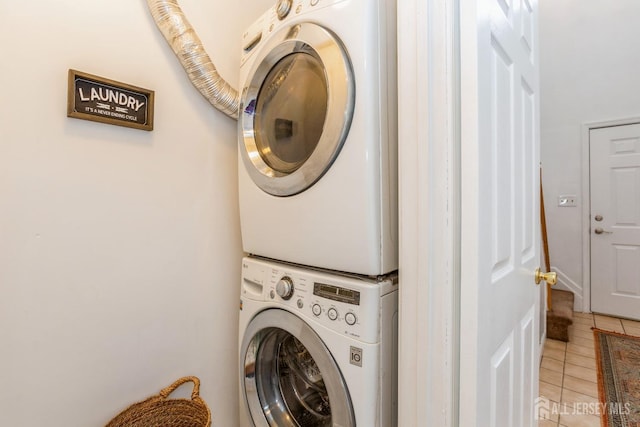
316, 349
318, 135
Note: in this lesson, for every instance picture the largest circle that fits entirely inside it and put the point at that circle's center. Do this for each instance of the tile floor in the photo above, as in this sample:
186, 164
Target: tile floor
568, 376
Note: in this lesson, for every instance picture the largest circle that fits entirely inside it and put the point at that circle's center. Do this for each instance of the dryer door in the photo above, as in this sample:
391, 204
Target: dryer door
295, 109
289, 378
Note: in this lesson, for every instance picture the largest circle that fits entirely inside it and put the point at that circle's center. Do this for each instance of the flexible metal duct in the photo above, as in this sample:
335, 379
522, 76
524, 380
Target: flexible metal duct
187, 46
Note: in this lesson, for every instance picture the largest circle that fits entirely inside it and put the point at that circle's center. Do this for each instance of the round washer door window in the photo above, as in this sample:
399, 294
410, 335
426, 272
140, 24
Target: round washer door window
296, 109
289, 377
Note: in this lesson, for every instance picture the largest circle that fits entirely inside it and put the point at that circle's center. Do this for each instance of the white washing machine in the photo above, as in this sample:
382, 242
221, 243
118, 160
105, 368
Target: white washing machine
316, 348
318, 135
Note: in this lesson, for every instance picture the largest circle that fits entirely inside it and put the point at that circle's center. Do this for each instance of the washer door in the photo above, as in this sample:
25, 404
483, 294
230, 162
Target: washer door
289, 378
295, 109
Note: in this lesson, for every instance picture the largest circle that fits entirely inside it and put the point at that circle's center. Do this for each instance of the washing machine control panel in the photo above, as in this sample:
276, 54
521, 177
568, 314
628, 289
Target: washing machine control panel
346, 305
337, 306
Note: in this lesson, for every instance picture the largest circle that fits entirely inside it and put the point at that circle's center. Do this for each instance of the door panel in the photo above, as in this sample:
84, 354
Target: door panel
627, 265
529, 152
502, 384
501, 151
500, 213
529, 344
615, 220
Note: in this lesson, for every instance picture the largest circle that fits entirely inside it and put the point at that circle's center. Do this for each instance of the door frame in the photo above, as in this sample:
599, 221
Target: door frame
429, 212
586, 201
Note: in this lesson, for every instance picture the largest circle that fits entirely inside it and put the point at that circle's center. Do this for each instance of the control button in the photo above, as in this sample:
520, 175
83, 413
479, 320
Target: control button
299, 303
332, 313
314, 2
284, 288
316, 309
283, 8
350, 318
272, 294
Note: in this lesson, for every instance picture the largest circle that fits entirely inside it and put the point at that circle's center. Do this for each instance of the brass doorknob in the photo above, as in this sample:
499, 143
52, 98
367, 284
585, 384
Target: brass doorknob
550, 277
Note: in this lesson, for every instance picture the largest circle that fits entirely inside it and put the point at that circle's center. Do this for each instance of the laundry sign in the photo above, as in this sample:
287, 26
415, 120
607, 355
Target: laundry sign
107, 101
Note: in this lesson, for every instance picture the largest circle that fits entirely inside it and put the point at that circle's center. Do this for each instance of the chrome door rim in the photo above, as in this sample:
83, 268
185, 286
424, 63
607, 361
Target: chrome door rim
339, 398
312, 39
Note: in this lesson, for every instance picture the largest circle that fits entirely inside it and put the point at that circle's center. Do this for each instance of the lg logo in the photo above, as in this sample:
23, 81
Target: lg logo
355, 356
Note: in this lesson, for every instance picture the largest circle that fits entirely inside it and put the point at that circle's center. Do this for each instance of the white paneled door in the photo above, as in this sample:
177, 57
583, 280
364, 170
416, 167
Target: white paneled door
499, 213
615, 220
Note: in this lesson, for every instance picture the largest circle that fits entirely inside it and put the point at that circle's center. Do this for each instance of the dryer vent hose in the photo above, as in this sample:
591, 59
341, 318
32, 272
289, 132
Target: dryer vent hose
187, 46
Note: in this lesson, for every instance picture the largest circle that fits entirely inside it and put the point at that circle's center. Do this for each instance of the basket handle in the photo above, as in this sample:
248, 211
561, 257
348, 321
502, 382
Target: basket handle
165, 392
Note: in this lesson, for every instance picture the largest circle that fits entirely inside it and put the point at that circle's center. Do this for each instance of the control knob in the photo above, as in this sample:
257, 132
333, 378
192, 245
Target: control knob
284, 287
283, 8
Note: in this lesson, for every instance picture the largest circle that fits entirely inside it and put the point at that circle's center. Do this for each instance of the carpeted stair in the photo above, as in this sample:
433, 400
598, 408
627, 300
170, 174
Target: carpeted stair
560, 316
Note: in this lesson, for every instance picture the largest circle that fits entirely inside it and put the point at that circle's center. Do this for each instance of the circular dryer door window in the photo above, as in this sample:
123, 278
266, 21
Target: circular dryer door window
296, 109
289, 377
290, 112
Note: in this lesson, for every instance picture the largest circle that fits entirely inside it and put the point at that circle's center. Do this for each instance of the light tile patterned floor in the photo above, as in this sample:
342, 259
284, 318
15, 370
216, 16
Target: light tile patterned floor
568, 375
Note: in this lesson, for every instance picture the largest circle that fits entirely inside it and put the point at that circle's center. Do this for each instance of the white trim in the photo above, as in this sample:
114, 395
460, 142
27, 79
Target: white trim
470, 195
428, 87
565, 283
586, 205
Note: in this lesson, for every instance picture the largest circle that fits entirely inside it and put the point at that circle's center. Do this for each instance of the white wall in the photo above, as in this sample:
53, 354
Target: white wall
119, 248
589, 72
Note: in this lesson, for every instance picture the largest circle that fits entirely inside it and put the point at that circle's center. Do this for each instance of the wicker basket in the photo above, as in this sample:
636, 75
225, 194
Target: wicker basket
159, 411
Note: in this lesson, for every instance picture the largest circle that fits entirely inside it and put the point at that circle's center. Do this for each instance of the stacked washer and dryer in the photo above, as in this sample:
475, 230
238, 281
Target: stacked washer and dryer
318, 210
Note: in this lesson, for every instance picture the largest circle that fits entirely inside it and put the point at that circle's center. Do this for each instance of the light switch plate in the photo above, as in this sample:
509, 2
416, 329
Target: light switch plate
567, 201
